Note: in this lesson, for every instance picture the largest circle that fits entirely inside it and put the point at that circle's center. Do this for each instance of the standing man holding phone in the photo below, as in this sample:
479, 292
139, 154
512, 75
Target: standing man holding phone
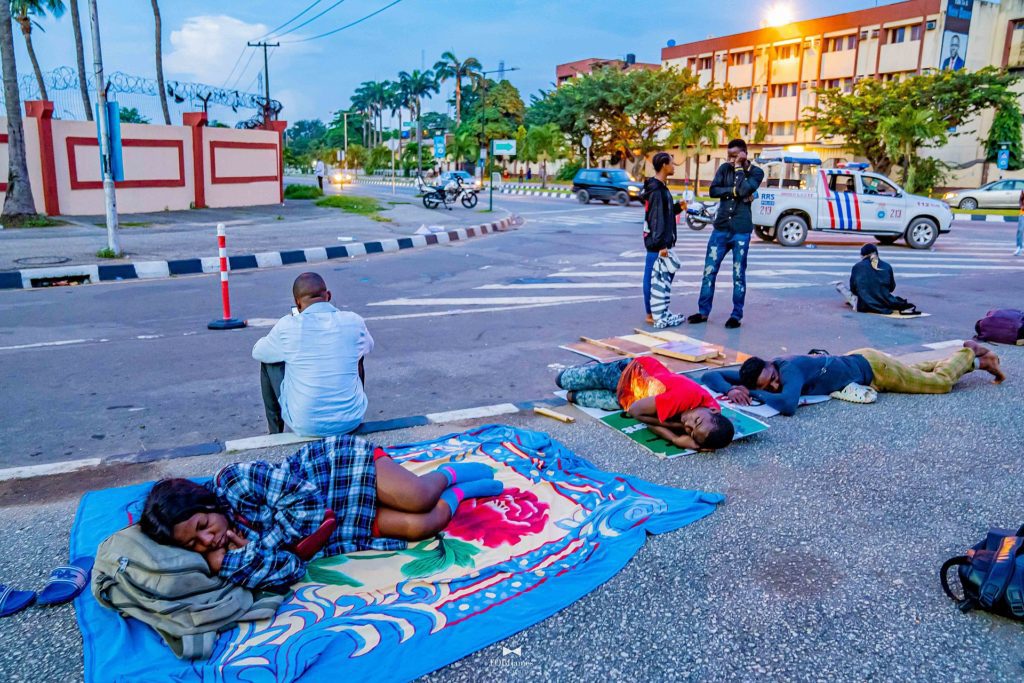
735, 185
660, 211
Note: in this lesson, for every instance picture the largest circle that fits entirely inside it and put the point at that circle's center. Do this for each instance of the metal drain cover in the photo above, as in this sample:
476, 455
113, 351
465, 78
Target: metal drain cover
42, 260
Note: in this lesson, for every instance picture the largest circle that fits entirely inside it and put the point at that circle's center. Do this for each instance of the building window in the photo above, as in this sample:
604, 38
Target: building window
1016, 56
851, 42
742, 94
705, 63
915, 32
840, 43
742, 58
785, 52
784, 90
786, 128
896, 35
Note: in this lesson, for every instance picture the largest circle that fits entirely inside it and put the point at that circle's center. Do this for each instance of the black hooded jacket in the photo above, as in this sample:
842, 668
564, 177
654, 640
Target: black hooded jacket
735, 188
660, 211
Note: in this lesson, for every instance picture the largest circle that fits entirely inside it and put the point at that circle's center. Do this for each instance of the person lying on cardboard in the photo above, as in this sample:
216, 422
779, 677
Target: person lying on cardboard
856, 377
673, 407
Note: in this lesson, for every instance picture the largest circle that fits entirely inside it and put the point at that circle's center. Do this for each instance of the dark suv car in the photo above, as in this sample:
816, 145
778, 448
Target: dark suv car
606, 184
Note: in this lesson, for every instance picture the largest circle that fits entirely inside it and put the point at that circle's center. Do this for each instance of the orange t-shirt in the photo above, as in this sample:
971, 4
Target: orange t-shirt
673, 394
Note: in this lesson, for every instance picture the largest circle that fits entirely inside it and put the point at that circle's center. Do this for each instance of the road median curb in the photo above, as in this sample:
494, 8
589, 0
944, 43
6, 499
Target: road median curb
35, 278
28, 472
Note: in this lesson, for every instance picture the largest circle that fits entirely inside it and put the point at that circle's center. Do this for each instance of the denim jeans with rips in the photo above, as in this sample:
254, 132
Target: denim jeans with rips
720, 243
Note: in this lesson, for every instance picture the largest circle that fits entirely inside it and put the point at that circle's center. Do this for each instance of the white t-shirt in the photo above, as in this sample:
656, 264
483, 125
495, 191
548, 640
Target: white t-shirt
321, 394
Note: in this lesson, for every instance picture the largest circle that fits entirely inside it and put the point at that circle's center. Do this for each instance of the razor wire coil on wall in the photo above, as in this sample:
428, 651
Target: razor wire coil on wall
143, 94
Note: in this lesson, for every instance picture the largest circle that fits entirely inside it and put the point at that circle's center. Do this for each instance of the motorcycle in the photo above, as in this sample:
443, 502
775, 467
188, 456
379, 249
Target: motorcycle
436, 195
700, 214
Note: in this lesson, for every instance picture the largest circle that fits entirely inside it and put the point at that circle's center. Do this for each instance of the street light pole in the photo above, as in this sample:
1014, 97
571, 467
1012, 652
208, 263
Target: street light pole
109, 195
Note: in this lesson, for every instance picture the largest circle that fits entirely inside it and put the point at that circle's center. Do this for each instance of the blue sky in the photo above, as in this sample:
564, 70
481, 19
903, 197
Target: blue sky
203, 39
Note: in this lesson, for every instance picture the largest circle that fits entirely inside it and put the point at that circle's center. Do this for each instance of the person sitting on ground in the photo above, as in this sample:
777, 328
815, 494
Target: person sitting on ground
873, 282
257, 524
672, 406
311, 371
855, 377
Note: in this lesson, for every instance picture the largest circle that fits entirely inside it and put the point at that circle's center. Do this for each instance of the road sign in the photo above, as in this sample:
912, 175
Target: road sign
440, 149
406, 124
1003, 159
504, 147
587, 141
391, 144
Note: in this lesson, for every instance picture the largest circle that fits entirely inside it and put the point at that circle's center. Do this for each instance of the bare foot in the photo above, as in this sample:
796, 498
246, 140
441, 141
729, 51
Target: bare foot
987, 360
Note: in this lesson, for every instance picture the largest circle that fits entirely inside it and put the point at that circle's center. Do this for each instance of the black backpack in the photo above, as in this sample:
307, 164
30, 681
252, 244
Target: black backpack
991, 575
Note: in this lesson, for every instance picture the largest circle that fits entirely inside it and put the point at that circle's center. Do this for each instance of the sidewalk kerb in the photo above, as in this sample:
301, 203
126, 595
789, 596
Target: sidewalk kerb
48, 469
22, 279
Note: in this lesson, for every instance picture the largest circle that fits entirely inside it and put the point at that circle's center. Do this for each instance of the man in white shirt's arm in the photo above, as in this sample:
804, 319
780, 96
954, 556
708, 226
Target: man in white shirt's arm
312, 365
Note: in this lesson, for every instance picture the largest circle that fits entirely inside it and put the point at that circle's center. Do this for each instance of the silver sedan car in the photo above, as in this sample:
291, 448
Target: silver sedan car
1001, 194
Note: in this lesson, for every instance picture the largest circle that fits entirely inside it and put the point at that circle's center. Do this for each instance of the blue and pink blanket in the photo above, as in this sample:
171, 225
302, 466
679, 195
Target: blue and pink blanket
561, 529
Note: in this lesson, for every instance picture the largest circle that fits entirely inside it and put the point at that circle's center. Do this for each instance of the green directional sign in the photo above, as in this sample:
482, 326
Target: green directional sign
504, 148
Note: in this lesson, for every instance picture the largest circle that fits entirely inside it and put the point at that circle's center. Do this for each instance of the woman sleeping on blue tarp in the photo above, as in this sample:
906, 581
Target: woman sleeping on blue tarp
259, 523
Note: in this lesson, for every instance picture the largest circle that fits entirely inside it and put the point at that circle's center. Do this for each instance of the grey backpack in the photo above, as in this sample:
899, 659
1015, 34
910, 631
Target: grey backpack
171, 590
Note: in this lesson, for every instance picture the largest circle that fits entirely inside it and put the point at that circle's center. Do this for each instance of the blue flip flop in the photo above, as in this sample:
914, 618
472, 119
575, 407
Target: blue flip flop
66, 582
12, 601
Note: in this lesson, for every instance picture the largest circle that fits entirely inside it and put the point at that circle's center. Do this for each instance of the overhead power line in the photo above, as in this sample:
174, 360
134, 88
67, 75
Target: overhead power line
273, 31
346, 26
243, 70
235, 66
311, 19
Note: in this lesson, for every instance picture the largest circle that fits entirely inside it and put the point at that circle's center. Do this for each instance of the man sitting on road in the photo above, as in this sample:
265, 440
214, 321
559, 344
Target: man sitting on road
672, 406
872, 286
311, 370
855, 377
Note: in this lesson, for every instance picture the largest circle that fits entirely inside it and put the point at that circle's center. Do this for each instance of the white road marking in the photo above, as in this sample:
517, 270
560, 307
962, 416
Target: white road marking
472, 413
562, 285
265, 441
466, 311
945, 344
482, 301
39, 345
63, 467
261, 322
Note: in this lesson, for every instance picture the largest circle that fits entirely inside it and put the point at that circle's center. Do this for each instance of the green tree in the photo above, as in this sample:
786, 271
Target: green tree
503, 114
1006, 130
357, 156
904, 133
25, 13
760, 131
437, 121
951, 97
697, 126
544, 143
378, 158
465, 145
419, 85
18, 201
83, 88
398, 101
449, 67
131, 115
625, 112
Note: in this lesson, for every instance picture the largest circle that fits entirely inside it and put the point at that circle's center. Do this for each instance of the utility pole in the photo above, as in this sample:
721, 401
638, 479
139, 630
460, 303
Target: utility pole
483, 125
266, 75
109, 196
345, 116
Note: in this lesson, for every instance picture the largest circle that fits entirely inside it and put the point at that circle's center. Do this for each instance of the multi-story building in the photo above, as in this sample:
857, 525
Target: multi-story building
775, 70
563, 72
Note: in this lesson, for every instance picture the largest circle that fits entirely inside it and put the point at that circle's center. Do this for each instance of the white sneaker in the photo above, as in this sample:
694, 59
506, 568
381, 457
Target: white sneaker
856, 393
1016, 252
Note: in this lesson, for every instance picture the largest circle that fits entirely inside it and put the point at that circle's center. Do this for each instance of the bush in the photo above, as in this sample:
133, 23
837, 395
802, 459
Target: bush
302, 192
568, 171
929, 173
365, 206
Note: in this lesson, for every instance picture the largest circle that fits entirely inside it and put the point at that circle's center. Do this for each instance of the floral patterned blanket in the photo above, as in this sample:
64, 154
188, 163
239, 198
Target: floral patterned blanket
561, 529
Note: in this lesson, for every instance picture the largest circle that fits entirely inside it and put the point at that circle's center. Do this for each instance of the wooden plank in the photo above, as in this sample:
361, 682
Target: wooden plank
611, 347
554, 415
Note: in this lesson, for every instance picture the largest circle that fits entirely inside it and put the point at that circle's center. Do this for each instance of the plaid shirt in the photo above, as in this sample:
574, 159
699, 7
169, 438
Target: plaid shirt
277, 505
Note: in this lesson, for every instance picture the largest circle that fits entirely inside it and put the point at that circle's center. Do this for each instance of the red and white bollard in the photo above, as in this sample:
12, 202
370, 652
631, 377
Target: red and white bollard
227, 322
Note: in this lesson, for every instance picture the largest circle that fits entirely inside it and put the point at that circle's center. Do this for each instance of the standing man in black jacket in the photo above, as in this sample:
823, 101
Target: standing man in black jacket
660, 213
735, 185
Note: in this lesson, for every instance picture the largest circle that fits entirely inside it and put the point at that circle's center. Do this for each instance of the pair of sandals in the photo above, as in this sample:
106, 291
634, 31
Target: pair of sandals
64, 586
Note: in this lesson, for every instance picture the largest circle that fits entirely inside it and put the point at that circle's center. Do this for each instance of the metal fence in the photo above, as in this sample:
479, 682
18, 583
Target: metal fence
231, 107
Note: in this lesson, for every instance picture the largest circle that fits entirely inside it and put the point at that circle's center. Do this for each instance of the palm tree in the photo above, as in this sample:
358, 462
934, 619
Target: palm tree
419, 84
398, 101
697, 126
160, 61
83, 85
18, 203
544, 143
464, 147
361, 102
449, 67
24, 11
379, 91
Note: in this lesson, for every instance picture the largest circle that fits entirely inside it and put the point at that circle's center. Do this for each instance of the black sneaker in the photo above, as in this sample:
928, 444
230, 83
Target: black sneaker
697, 319
732, 323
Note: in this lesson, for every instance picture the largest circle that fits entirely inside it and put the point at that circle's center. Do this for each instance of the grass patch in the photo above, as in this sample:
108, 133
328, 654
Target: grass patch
397, 203
32, 221
380, 219
363, 206
988, 212
127, 224
106, 252
302, 192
